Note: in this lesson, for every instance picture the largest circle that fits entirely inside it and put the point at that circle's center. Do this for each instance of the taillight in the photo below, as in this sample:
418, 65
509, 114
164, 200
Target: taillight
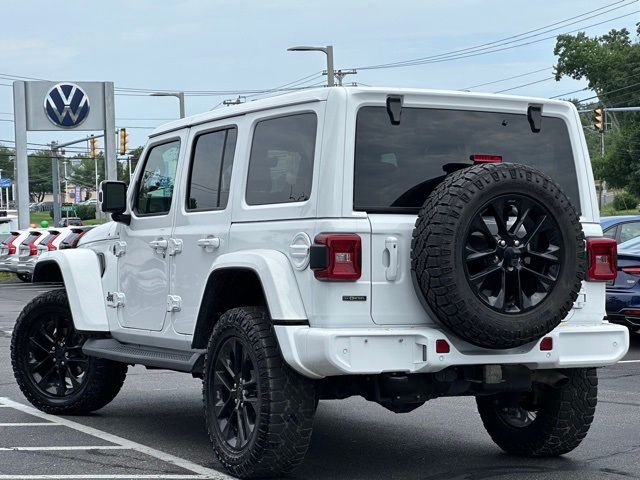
603, 253
74, 243
632, 271
12, 247
482, 158
337, 256
50, 245
33, 248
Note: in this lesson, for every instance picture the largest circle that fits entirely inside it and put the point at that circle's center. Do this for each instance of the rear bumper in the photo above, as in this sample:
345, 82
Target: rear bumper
27, 266
322, 352
9, 264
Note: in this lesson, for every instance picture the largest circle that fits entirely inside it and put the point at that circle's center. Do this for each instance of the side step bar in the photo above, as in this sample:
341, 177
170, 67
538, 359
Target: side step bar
169, 359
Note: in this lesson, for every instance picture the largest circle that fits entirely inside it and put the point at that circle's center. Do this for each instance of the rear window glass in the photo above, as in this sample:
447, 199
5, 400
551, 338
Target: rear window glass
397, 166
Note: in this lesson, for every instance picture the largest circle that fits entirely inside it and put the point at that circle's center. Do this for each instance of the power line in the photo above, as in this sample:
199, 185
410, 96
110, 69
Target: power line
525, 85
490, 47
508, 78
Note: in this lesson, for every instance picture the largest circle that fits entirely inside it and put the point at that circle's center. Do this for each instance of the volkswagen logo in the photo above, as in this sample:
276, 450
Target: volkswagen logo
66, 105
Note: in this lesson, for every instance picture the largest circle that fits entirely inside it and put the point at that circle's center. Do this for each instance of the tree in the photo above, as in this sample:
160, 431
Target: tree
84, 172
39, 175
6, 164
611, 65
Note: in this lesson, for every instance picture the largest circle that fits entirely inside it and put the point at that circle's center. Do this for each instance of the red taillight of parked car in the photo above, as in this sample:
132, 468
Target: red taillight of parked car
47, 242
337, 257
10, 245
33, 248
632, 271
603, 255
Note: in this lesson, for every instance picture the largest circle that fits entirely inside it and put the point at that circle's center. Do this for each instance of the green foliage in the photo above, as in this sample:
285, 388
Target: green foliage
39, 175
611, 65
625, 201
86, 212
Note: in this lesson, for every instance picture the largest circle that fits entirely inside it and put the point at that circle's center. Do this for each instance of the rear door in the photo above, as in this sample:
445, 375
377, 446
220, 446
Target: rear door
397, 167
203, 220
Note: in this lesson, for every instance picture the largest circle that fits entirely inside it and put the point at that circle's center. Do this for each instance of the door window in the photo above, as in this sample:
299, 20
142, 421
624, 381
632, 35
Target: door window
155, 189
210, 175
629, 230
281, 160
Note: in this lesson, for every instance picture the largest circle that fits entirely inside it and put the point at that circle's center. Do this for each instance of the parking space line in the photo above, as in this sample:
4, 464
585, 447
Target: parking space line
629, 361
123, 442
63, 447
103, 476
28, 424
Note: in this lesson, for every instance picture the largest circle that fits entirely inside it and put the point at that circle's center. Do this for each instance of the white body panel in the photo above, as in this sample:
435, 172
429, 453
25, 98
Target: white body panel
81, 271
261, 238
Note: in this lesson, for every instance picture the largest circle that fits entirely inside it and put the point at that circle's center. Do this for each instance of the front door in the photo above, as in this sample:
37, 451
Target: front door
203, 224
143, 270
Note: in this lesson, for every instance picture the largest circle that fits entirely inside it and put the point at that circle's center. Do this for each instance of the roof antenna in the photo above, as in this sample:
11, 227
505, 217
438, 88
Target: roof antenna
235, 101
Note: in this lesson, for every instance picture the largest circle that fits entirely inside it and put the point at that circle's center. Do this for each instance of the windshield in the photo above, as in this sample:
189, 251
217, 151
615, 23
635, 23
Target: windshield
397, 166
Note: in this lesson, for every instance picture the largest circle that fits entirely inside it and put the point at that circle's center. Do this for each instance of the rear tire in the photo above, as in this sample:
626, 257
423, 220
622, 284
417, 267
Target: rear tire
25, 277
259, 412
552, 424
48, 363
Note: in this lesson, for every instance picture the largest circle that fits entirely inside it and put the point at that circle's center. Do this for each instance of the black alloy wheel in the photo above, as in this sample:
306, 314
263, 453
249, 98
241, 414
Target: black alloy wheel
236, 393
56, 365
512, 253
49, 365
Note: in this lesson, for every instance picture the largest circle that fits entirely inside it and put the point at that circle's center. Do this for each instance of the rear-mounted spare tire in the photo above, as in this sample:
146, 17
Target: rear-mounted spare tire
498, 254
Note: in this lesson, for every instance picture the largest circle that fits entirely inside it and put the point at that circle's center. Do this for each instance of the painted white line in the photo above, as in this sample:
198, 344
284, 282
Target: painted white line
102, 476
152, 452
629, 361
27, 424
62, 447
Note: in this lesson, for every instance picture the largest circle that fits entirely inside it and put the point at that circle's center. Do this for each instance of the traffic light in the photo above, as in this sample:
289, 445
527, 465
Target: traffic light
93, 147
124, 141
598, 119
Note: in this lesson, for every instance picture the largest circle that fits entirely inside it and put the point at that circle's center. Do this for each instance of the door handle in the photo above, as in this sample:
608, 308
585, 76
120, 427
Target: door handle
159, 244
391, 246
209, 243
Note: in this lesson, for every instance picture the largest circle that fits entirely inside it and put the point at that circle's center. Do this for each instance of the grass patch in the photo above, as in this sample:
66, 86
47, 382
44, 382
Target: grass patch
6, 276
37, 217
609, 212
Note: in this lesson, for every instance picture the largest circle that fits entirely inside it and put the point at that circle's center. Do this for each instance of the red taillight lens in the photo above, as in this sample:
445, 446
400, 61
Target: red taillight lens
343, 252
482, 158
603, 254
33, 249
632, 311
12, 247
632, 270
50, 245
442, 346
74, 244
546, 344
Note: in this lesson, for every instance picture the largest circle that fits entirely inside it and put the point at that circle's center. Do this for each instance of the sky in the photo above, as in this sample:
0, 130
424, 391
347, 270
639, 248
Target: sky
190, 45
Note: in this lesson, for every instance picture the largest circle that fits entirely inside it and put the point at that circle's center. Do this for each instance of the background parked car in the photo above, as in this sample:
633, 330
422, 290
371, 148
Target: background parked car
70, 222
623, 293
621, 228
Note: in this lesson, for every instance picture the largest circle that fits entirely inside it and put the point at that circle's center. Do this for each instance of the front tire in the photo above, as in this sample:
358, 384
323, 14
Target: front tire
49, 365
550, 422
259, 412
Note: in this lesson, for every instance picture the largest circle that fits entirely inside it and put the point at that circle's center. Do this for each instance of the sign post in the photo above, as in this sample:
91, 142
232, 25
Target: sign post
60, 106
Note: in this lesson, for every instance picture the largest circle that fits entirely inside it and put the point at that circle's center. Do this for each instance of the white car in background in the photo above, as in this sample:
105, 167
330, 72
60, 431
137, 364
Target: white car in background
32, 247
9, 251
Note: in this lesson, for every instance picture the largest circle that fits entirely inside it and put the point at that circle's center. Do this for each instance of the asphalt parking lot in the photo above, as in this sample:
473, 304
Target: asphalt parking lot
155, 429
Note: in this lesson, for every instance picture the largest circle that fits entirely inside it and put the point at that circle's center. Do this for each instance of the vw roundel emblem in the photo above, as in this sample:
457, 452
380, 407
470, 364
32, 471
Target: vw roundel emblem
66, 105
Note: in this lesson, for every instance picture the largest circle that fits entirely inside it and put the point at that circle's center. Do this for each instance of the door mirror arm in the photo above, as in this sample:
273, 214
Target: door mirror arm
121, 218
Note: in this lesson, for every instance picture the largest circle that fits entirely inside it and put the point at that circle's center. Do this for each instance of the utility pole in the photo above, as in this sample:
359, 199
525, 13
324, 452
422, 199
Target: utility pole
328, 50
340, 74
66, 182
55, 182
178, 95
1, 191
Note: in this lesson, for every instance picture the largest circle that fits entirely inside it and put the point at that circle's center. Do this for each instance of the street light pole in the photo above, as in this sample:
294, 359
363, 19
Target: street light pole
328, 50
178, 95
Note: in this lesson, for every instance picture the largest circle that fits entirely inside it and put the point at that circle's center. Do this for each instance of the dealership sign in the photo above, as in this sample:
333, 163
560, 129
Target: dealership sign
66, 105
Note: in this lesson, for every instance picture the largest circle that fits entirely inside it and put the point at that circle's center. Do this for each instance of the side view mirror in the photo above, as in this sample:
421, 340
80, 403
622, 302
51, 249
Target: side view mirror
113, 199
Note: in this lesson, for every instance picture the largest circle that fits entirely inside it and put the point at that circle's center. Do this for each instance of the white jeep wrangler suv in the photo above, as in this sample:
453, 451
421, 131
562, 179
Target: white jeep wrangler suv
397, 244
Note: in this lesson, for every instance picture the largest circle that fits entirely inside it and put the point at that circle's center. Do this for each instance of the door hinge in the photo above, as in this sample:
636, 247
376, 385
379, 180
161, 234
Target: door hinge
175, 246
115, 299
119, 248
174, 303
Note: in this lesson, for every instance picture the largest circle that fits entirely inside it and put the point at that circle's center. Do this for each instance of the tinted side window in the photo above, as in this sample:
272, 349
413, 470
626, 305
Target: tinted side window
610, 232
397, 166
281, 161
155, 189
629, 230
211, 165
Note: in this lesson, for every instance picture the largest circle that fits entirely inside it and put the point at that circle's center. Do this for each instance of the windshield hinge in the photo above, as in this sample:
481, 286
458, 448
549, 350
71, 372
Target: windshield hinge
534, 115
394, 108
